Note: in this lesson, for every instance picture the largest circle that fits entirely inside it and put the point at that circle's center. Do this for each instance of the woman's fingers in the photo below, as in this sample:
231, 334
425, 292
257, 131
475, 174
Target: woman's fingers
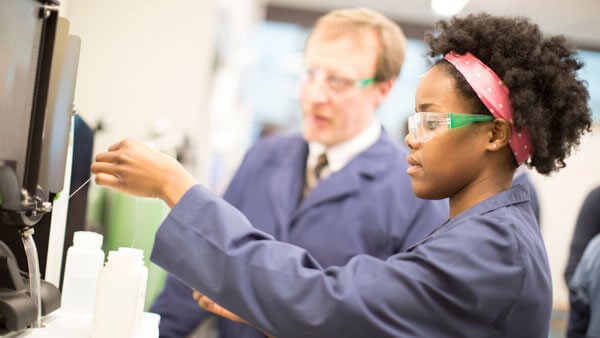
210, 306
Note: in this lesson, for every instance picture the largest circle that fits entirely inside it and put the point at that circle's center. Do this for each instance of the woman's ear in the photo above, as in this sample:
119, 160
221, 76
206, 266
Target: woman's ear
499, 135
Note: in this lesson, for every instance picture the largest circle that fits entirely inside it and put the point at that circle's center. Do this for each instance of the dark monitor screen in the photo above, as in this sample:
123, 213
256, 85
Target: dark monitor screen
20, 38
38, 70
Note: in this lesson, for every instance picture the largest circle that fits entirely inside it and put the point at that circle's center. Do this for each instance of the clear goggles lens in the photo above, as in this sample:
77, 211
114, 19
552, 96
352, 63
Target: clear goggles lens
425, 125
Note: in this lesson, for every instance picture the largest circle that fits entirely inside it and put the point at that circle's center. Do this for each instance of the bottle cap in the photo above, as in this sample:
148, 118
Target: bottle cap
87, 239
134, 253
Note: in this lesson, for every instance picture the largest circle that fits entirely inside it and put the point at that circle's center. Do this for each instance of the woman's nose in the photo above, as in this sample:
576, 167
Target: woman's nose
411, 141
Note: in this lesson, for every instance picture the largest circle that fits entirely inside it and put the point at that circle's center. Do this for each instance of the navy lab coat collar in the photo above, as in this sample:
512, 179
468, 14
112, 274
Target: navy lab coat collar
287, 181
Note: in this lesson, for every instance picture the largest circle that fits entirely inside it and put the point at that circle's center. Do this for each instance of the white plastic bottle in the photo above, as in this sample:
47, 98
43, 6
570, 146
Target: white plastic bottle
84, 261
138, 255
117, 311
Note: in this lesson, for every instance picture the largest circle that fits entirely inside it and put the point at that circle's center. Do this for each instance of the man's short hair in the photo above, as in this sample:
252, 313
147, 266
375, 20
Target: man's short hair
356, 21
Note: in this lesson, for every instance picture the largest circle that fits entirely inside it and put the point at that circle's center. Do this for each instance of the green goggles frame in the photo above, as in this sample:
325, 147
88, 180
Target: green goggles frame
452, 121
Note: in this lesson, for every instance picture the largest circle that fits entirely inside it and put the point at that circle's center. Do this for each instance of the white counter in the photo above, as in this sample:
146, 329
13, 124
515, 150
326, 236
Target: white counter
68, 325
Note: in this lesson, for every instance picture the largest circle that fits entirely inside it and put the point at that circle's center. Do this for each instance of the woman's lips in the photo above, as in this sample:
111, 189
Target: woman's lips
413, 165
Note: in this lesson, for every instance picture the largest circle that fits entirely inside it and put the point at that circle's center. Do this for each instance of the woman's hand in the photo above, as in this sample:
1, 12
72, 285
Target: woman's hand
133, 168
210, 306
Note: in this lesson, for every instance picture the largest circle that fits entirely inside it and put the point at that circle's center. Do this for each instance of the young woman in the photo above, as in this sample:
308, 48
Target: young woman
499, 94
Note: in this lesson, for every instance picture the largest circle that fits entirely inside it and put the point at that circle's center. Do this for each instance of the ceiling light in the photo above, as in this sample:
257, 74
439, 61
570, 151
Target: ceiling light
447, 7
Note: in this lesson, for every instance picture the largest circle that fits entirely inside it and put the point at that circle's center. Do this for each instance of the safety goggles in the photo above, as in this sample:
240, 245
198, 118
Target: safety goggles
425, 125
333, 83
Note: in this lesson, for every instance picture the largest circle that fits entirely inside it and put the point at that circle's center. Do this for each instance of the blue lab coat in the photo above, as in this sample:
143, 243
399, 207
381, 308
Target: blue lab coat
484, 273
366, 207
584, 294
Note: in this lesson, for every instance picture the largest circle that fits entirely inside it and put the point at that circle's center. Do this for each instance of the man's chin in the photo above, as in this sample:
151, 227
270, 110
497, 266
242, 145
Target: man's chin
311, 136
321, 141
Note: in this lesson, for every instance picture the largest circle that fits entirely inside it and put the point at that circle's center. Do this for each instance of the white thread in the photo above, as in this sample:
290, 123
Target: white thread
81, 186
137, 209
137, 220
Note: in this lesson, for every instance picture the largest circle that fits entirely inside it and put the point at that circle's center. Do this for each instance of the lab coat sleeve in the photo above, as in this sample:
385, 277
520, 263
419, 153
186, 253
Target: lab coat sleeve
282, 290
179, 312
582, 289
579, 317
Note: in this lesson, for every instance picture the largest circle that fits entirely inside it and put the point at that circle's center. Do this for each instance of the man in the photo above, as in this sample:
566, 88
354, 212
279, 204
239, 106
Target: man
583, 269
586, 228
339, 190
584, 294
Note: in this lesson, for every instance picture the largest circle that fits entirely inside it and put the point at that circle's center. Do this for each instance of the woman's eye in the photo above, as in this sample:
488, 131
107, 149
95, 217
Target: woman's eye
431, 125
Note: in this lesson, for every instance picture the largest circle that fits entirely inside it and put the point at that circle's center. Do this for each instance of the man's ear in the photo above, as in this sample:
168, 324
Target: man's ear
386, 86
383, 89
500, 133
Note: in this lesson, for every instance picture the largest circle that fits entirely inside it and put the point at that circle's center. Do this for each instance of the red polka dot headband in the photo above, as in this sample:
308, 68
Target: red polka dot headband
494, 94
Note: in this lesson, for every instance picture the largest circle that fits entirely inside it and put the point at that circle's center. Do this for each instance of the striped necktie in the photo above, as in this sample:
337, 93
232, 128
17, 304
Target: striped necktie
313, 175
321, 164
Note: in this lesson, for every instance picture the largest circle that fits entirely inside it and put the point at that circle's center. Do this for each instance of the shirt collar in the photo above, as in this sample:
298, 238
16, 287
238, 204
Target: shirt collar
340, 154
521, 170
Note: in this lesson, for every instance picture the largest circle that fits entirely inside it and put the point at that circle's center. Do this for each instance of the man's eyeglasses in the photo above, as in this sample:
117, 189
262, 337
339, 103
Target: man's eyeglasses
336, 84
425, 125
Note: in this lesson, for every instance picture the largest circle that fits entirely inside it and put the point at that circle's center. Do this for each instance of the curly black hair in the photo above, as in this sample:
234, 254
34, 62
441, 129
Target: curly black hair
547, 97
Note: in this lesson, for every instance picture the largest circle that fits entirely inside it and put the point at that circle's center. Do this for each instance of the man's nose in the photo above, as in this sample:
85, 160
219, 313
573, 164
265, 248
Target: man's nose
315, 91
